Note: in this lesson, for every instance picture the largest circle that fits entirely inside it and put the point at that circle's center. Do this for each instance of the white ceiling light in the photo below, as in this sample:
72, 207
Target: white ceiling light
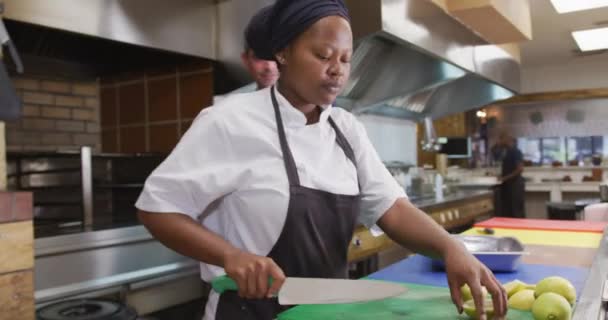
563, 6
592, 39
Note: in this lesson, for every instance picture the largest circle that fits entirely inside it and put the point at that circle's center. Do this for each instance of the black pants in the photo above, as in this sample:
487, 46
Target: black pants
512, 198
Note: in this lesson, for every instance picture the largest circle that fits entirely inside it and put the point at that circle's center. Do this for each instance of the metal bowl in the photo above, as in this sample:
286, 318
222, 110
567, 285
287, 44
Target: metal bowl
502, 254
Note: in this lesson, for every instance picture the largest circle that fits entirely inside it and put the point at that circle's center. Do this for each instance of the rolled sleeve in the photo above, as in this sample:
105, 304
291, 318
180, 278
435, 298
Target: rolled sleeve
198, 171
379, 189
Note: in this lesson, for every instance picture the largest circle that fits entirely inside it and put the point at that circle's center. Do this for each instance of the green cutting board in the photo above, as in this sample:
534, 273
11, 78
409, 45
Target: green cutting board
419, 303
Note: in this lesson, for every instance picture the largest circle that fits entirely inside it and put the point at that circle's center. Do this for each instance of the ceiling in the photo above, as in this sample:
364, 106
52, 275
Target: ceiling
552, 40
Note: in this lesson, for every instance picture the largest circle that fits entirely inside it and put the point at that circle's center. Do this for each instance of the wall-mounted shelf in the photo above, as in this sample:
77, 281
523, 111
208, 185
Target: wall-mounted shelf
90, 191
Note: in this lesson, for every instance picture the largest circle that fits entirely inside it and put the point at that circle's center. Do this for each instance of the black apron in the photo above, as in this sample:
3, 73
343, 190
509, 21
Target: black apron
512, 191
314, 240
512, 196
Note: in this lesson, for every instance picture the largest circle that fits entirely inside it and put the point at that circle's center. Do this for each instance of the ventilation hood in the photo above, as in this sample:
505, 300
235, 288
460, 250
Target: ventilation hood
412, 60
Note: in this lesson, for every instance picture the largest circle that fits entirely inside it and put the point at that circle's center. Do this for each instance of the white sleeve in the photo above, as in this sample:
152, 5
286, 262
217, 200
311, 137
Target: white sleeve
201, 169
379, 189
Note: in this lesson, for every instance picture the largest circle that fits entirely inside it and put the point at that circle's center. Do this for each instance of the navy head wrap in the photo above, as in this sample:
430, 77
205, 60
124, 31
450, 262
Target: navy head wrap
287, 19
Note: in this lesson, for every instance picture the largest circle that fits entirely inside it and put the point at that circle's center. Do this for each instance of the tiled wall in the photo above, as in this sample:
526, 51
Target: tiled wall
149, 112
57, 115
516, 119
394, 139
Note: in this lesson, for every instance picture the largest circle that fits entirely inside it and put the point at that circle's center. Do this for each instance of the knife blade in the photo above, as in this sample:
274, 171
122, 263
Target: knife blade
324, 291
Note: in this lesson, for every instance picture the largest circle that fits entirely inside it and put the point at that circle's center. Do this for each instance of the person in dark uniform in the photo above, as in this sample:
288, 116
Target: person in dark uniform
512, 188
272, 183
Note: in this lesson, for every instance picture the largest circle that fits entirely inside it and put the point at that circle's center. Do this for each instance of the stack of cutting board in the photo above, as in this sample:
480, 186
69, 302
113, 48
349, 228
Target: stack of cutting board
428, 296
16, 256
420, 302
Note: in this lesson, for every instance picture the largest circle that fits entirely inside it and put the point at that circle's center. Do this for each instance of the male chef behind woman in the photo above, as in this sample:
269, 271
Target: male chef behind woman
272, 183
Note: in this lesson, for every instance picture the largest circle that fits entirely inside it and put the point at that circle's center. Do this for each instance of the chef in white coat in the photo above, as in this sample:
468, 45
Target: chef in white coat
273, 183
264, 71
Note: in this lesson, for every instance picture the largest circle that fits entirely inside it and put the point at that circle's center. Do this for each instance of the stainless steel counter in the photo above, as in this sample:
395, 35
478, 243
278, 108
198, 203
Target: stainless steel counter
108, 261
128, 258
589, 305
430, 201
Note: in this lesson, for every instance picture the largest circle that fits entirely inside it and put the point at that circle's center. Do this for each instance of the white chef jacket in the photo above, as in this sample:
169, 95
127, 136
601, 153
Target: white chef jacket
227, 171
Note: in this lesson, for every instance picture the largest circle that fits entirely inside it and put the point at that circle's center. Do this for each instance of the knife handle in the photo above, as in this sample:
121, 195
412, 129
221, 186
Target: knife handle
222, 284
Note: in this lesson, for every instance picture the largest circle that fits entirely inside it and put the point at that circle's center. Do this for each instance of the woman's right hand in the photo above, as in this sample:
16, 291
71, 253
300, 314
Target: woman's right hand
252, 272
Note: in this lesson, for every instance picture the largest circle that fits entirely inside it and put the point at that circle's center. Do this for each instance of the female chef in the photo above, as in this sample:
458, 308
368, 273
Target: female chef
272, 183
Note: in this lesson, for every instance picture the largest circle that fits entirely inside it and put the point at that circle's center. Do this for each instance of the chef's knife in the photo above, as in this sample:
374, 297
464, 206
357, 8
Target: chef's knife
323, 291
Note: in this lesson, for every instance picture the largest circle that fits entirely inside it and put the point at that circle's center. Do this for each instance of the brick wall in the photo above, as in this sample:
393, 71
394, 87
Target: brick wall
57, 115
149, 112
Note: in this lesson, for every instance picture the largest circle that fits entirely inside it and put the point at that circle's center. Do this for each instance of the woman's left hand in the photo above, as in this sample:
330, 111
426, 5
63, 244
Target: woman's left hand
463, 268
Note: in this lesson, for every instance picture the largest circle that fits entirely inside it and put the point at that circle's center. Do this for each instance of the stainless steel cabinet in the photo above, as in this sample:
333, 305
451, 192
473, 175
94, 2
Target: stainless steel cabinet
80, 191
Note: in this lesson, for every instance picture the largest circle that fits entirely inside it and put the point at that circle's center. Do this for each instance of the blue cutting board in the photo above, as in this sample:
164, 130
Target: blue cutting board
418, 269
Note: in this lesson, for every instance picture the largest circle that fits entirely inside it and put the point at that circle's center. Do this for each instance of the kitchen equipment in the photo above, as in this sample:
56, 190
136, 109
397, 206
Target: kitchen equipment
438, 187
86, 309
455, 147
417, 181
604, 192
597, 213
429, 144
399, 170
75, 190
421, 302
497, 253
561, 211
324, 291
441, 164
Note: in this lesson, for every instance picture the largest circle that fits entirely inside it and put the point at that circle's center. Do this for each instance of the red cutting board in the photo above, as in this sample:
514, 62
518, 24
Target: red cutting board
550, 225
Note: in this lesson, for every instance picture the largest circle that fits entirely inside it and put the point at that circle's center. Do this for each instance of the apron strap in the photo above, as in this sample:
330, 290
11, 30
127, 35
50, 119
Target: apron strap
290, 164
342, 142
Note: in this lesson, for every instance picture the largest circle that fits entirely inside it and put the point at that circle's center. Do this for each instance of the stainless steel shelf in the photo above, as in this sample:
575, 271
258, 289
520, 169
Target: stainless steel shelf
118, 185
100, 188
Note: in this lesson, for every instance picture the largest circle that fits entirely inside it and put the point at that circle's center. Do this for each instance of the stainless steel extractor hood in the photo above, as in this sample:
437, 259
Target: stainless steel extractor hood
182, 26
404, 49
413, 60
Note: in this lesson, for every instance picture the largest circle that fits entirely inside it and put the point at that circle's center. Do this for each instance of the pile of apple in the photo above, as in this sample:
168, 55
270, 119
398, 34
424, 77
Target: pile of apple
551, 298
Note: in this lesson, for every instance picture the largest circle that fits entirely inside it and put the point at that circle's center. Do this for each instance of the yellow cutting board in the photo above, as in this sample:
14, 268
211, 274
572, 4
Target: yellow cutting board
547, 238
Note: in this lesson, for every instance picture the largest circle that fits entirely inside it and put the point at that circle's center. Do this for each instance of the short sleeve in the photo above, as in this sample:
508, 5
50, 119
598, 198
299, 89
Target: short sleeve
200, 169
379, 189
